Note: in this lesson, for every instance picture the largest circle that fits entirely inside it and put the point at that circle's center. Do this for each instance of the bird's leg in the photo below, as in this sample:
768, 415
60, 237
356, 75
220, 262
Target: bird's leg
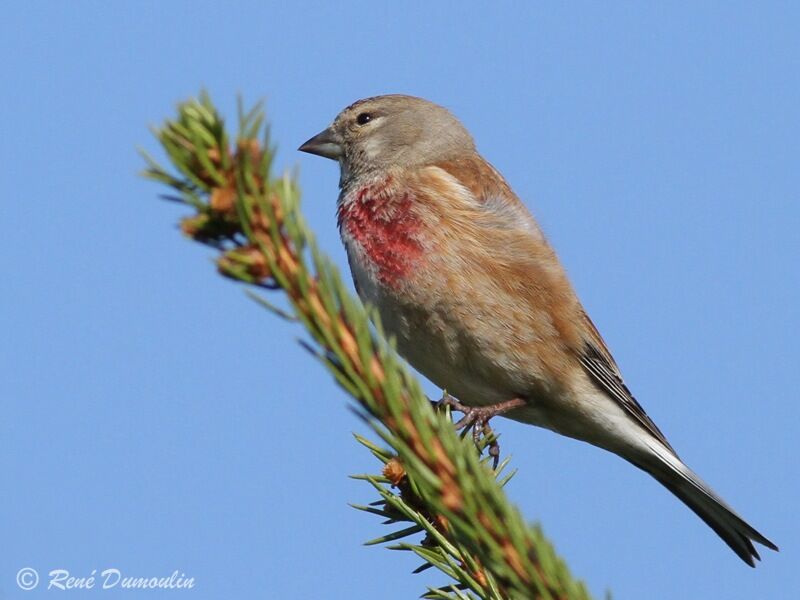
478, 418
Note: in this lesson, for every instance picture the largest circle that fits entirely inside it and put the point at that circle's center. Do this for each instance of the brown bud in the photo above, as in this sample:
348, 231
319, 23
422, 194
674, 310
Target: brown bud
479, 575
247, 259
251, 147
441, 523
277, 209
222, 199
192, 226
394, 471
215, 156
259, 221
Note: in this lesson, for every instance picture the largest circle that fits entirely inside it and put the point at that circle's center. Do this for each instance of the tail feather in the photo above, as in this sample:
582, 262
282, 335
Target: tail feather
697, 495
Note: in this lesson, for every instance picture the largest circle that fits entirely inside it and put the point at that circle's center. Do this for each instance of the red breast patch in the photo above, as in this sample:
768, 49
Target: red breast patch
383, 222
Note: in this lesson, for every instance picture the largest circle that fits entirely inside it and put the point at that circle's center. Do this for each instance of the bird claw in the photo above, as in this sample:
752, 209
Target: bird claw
477, 417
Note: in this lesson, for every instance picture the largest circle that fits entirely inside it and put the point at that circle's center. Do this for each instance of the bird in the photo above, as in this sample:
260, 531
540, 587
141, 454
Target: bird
464, 279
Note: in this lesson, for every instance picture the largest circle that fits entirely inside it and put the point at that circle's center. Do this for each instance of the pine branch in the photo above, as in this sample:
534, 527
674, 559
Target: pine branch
433, 481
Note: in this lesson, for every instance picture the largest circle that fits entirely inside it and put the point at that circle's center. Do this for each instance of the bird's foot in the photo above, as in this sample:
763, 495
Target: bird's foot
477, 417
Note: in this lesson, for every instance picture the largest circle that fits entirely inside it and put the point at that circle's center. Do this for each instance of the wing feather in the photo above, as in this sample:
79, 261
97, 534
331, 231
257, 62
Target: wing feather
600, 365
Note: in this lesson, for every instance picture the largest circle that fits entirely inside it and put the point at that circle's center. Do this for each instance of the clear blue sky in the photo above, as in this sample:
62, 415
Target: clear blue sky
153, 418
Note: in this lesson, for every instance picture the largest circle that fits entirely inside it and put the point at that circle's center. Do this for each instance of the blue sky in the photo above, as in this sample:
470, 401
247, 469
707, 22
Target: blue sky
154, 419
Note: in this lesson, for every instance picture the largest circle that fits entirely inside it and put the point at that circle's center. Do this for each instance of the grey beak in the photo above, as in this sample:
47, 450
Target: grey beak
327, 143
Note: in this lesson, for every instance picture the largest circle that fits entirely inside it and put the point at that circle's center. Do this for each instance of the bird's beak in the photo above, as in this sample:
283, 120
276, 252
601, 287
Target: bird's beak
327, 143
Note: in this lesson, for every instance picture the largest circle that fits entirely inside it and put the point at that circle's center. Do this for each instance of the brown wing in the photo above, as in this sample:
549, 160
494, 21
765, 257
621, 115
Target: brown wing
600, 365
492, 191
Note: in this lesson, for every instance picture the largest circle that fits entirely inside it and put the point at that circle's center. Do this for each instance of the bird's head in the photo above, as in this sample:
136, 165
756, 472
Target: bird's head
379, 133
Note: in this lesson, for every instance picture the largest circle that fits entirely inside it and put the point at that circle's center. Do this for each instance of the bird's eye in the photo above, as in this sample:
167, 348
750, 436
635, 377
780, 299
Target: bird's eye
363, 118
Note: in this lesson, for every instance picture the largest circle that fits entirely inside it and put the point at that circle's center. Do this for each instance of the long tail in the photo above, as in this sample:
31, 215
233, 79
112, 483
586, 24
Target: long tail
697, 495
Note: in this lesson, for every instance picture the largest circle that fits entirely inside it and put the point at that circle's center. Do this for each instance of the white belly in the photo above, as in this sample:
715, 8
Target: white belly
429, 339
